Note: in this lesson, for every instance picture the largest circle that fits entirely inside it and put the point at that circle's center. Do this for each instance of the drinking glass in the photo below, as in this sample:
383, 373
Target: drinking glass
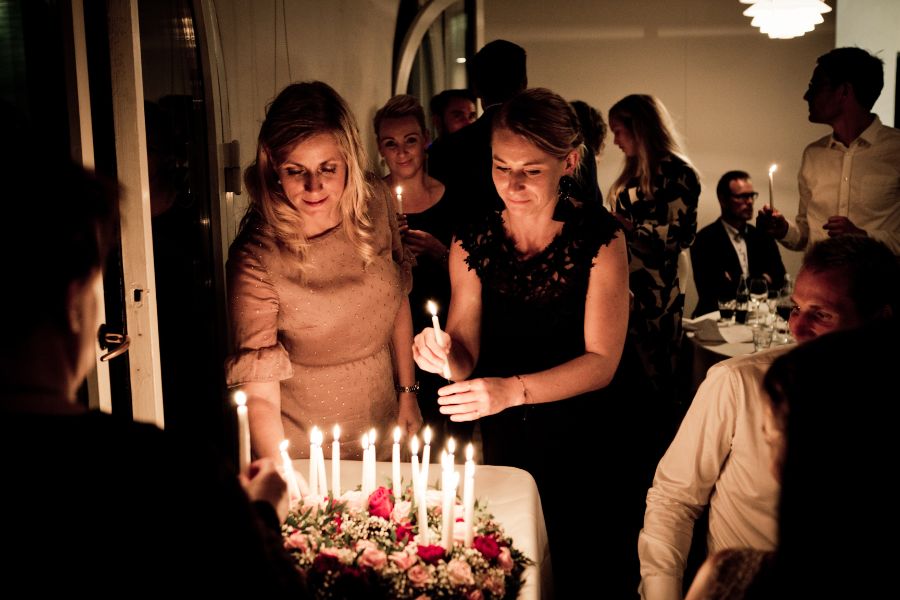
762, 337
759, 292
726, 311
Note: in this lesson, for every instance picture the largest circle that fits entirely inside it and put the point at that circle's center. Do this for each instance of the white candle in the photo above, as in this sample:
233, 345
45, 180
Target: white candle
772, 170
395, 463
240, 398
426, 457
313, 464
336, 462
289, 476
422, 505
451, 450
399, 191
450, 479
438, 334
318, 438
414, 466
365, 470
469, 496
371, 475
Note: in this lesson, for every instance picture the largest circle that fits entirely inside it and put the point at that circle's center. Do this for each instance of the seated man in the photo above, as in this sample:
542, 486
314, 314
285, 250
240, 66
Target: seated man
730, 247
719, 457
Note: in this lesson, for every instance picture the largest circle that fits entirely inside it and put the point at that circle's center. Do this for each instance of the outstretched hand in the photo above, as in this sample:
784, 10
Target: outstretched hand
476, 398
262, 481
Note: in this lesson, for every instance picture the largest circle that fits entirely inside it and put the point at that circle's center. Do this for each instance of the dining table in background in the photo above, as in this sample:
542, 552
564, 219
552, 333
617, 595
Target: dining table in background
510, 494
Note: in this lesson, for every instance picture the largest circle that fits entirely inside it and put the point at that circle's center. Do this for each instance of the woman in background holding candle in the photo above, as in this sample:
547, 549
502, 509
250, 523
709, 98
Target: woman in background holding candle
427, 227
537, 324
318, 283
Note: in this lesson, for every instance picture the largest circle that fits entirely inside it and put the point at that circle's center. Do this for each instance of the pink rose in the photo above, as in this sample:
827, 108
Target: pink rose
505, 560
418, 575
475, 595
404, 533
330, 551
431, 554
297, 541
354, 500
381, 503
423, 597
459, 531
364, 545
487, 545
401, 511
459, 572
403, 560
372, 558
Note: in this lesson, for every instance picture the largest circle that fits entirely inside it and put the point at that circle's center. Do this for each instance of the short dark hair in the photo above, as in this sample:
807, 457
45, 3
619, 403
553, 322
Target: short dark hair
498, 71
593, 127
723, 188
871, 269
863, 71
439, 102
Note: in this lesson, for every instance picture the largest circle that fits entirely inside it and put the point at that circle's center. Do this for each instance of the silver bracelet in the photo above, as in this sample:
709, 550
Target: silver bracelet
407, 389
524, 389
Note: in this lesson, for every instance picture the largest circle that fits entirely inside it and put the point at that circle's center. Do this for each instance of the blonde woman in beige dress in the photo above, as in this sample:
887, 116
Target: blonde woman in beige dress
318, 285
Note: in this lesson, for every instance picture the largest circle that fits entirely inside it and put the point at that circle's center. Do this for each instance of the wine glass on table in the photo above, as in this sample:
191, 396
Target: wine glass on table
784, 305
759, 293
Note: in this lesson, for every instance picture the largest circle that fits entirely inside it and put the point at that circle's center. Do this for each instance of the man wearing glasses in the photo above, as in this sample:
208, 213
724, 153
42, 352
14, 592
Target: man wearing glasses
849, 180
731, 247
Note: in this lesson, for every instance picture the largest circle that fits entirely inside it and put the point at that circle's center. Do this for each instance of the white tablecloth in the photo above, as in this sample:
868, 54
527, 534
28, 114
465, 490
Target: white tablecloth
511, 496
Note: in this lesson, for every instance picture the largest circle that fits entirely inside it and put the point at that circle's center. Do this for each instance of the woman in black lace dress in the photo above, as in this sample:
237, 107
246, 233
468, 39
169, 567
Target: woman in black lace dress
536, 325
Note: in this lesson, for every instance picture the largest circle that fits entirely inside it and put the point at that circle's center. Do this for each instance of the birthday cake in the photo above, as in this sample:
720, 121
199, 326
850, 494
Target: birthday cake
373, 547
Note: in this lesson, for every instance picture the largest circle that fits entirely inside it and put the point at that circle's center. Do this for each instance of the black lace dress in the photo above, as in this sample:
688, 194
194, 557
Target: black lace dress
533, 320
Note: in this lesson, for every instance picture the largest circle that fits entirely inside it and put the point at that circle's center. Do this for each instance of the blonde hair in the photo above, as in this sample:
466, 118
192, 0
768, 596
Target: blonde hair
655, 139
301, 111
398, 107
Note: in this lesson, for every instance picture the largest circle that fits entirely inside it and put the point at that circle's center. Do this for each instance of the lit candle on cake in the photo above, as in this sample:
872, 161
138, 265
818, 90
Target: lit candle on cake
289, 476
336, 462
240, 398
772, 170
395, 463
469, 495
419, 489
365, 465
449, 481
399, 191
451, 450
426, 457
438, 334
371, 473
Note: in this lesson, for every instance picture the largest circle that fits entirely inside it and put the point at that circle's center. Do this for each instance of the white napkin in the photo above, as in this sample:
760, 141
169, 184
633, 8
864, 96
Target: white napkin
707, 331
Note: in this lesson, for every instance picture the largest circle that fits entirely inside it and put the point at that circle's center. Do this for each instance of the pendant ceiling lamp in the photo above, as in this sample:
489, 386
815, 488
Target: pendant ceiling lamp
785, 19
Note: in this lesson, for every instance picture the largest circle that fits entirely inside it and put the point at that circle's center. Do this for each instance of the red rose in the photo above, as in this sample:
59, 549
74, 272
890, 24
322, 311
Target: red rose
381, 503
431, 554
487, 545
404, 533
337, 522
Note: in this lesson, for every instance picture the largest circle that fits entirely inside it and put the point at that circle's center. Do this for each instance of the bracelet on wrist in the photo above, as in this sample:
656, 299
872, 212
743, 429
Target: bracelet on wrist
407, 389
524, 389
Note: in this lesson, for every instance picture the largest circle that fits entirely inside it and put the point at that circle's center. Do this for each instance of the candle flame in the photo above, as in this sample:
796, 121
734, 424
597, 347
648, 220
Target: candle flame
427, 436
772, 169
432, 307
315, 436
372, 436
396, 435
365, 441
240, 398
336, 432
414, 444
451, 446
399, 190
283, 446
470, 452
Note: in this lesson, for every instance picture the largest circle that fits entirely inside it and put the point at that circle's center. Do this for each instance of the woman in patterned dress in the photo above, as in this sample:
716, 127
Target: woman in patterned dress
655, 200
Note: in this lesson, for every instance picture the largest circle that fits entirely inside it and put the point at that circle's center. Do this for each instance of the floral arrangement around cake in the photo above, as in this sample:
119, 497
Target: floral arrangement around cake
369, 548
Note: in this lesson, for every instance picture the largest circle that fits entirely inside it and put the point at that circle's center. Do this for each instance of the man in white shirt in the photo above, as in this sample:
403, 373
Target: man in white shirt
719, 455
850, 180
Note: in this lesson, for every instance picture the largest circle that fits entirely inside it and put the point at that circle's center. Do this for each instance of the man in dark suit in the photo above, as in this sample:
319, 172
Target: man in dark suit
463, 160
731, 247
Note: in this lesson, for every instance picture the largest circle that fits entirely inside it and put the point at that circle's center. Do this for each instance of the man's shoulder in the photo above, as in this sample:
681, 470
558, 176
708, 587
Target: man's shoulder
752, 365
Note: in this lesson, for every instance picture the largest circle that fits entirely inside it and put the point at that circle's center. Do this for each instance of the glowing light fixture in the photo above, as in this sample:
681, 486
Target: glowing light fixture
785, 19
